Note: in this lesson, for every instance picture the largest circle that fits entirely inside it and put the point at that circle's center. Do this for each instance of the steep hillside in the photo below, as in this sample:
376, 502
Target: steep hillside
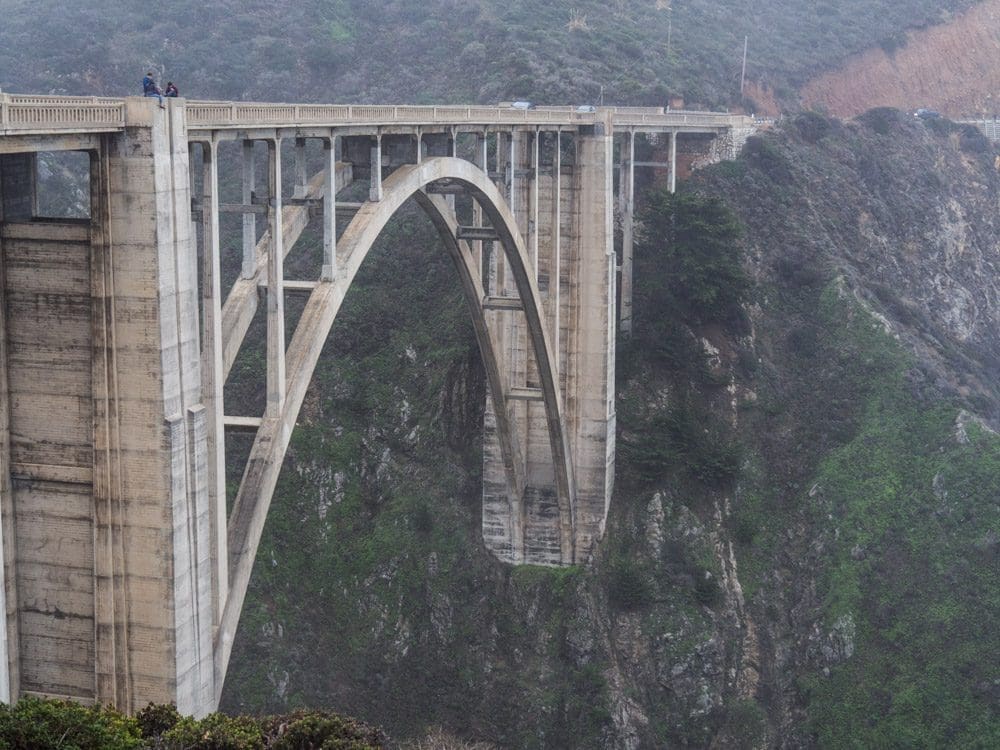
636, 51
951, 67
804, 531
804, 537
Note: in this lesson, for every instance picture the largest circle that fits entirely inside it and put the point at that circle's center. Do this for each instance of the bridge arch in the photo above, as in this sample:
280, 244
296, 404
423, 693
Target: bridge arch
260, 477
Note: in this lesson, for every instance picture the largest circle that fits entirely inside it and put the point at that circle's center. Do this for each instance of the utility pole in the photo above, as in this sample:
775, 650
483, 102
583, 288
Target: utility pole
743, 75
670, 26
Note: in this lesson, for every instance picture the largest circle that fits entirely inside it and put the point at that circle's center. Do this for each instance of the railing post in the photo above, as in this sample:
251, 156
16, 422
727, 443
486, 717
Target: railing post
4, 111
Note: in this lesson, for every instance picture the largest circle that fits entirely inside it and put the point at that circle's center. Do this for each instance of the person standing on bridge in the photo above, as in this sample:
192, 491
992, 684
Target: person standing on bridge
149, 87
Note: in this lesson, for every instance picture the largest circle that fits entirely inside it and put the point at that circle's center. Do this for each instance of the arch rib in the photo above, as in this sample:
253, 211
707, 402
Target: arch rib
261, 474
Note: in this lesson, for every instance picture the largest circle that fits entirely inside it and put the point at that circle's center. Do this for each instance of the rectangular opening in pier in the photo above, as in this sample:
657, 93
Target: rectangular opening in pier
45, 185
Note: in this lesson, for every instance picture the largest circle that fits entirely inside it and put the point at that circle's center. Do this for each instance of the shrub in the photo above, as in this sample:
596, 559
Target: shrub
155, 719
628, 585
812, 126
689, 265
321, 730
706, 588
679, 438
37, 724
214, 732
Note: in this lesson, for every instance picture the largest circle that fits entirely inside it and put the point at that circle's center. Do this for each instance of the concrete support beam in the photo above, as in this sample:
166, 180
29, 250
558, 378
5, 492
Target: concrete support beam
526, 394
212, 372
502, 303
533, 201
249, 220
476, 233
481, 157
243, 424
275, 282
242, 208
375, 191
241, 303
590, 378
673, 161
626, 196
555, 276
301, 177
9, 642
329, 271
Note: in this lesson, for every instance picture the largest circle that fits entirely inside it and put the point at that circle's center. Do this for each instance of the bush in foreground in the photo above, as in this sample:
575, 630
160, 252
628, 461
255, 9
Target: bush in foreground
38, 724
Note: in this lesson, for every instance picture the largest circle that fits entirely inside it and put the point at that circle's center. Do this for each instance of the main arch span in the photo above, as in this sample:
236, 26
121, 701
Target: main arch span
123, 572
271, 442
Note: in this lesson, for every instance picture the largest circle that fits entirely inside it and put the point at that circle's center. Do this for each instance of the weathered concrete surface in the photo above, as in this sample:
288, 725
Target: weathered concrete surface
106, 516
576, 269
123, 579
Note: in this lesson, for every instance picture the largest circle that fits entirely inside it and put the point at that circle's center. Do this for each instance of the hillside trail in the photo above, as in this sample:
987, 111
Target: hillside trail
953, 68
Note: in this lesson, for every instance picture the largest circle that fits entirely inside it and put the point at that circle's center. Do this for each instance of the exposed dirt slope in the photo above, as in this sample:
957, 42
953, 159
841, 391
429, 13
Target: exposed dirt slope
952, 68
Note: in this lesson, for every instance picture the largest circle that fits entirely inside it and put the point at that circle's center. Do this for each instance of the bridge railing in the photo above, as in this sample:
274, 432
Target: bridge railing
241, 115
32, 114
19, 113
678, 119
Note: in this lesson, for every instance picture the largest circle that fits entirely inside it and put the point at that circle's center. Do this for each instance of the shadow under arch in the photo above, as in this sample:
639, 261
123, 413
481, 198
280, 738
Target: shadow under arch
260, 477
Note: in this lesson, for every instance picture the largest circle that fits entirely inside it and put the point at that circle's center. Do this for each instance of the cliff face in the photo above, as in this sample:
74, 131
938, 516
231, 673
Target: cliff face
805, 518
866, 513
950, 67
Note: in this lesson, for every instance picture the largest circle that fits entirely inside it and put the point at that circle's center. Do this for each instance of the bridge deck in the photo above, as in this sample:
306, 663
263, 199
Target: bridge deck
56, 115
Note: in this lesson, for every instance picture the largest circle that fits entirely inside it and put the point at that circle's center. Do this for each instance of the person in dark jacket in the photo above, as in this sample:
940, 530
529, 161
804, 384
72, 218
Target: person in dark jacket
171, 90
149, 87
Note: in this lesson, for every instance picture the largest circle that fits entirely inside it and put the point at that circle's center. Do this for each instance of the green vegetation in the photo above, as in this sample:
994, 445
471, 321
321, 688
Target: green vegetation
859, 476
42, 724
37, 724
443, 51
689, 259
760, 404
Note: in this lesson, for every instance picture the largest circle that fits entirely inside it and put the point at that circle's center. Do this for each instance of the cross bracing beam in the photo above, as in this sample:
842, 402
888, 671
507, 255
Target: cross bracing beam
241, 303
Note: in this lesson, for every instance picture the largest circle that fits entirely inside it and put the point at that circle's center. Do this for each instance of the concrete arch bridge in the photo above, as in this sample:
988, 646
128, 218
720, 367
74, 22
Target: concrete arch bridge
124, 574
